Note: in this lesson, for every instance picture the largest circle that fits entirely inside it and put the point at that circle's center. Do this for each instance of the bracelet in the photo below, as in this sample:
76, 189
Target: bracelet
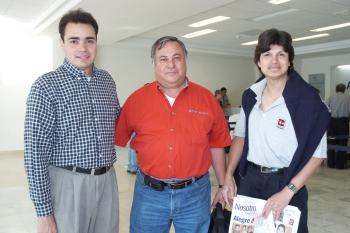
292, 187
220, 186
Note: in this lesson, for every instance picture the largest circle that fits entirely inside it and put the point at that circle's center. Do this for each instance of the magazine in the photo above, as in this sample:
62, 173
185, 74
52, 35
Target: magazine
246, 217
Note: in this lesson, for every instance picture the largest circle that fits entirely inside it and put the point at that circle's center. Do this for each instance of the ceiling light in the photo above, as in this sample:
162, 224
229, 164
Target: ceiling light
250, 43
199, 33
311, 37
209, 21
331, 27
344, 67
276, 2
274, 14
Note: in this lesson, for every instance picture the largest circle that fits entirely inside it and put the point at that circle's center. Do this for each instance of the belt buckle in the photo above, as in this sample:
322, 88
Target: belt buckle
181, 185
93, 171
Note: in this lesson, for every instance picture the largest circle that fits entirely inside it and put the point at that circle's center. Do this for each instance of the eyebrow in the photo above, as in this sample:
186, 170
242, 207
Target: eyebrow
78, 38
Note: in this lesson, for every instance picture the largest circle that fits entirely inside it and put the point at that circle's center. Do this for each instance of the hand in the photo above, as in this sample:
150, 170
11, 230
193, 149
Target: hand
277, 202
47, 224
229, 190
218, 198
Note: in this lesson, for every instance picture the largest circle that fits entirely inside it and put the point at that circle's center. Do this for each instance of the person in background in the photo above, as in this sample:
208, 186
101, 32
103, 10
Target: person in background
180, 132
69, 137
339, 104
225, 103
218, 96
280, 136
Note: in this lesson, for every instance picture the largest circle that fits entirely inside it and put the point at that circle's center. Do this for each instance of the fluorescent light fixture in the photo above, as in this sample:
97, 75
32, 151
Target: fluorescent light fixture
331, 27
276, 2
250, 43
344, 67
311, 37
274, 14
209, 21
199, 33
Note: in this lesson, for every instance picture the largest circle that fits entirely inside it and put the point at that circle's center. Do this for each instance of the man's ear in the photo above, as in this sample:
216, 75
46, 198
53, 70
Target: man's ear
61, 42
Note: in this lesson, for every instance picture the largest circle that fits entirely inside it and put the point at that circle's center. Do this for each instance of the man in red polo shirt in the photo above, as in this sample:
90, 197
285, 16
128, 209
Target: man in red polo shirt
180, 132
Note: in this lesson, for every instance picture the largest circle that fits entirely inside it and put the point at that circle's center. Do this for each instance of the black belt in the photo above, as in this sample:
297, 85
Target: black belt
159, 185
91, 171
263, 169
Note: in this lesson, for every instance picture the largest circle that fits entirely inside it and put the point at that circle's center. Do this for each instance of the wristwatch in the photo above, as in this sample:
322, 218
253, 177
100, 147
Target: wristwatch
292, 187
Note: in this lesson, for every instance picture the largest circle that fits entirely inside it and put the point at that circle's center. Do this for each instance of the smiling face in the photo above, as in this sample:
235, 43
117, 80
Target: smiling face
79, 45
170, 65
274, 63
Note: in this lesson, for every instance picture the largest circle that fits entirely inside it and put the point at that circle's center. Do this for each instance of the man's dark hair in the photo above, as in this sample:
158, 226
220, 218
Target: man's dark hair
223, 89
274, 37
340, 88
76, 16
160, 43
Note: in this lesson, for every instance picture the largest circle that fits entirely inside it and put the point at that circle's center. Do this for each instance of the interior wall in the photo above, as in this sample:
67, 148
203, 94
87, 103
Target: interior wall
133, 67
323, 65
340, 76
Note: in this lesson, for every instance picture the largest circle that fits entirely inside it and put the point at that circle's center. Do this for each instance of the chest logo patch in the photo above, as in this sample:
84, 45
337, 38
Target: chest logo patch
281, 123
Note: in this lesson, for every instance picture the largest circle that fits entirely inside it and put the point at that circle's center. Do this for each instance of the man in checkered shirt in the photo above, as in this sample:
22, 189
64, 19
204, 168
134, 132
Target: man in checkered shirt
69, 137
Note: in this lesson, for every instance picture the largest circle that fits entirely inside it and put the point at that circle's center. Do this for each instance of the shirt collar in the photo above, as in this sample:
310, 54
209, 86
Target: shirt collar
258, 89
186, 83
75, 71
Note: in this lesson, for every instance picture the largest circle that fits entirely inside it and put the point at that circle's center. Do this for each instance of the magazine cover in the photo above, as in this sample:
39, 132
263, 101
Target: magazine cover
247, 218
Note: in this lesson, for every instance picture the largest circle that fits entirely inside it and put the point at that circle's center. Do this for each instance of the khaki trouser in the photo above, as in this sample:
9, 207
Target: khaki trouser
85, 203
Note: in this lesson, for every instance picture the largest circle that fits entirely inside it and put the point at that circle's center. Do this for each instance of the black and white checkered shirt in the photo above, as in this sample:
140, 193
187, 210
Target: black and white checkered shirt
70, 120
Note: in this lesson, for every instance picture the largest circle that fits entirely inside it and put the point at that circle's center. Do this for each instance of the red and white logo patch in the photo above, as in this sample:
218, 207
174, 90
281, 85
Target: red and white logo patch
281, 123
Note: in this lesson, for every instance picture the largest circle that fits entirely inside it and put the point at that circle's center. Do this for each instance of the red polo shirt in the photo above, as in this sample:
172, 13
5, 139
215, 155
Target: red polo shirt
173, 142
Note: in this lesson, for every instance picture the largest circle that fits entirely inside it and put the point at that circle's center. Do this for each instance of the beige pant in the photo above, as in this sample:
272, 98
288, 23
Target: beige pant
85, 203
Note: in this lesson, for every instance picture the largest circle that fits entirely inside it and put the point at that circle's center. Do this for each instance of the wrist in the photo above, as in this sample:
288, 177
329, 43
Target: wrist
292, 188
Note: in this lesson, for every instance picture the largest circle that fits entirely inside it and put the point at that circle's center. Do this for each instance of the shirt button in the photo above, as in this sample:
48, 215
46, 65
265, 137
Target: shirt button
173, 113
169, 166
170, 148
171, 130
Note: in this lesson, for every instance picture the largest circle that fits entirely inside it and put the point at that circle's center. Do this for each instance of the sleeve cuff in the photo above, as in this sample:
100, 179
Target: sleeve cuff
43, 209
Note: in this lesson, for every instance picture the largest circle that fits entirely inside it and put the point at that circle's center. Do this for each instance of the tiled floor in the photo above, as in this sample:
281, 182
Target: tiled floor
329, 197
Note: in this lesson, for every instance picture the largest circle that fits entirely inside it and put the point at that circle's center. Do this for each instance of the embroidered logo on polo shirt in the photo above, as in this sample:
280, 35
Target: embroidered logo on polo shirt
191, 110
281, 123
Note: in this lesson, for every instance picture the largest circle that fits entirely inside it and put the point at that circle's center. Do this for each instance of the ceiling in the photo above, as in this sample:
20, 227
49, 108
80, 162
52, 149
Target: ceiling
139, 23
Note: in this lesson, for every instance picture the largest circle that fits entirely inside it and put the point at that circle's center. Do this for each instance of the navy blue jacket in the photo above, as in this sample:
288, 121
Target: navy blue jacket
310, 118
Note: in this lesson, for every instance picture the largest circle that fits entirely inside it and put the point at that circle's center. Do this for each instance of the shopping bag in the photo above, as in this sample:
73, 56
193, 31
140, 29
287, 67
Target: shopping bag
219, 220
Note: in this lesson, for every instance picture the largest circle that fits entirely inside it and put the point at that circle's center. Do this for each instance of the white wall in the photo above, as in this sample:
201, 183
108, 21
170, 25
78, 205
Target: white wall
19, 68
323, 65
340, 76
132, 68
